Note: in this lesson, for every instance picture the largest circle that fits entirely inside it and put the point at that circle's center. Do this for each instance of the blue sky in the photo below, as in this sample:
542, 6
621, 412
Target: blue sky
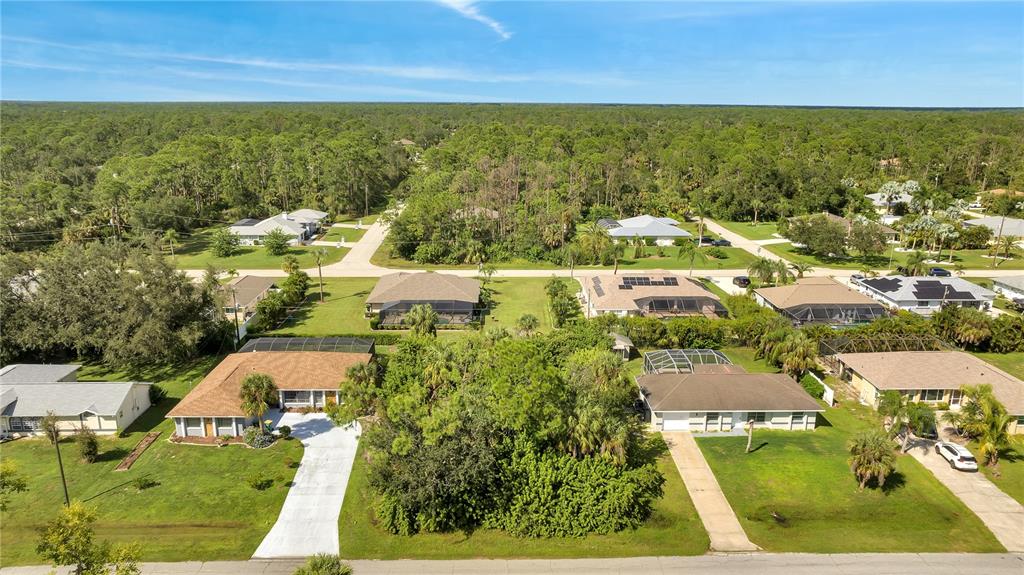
777, 53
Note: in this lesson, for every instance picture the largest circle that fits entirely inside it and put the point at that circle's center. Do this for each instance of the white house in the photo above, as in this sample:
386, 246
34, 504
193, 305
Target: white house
1011, 287
1000, 225
105, 408
300, 225
663, 231
39, 372
925, 295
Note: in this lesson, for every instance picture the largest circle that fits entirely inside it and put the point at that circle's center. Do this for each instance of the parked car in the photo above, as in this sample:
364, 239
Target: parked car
742, 281
974, 206
939, 272
705, 241
957, 456
722, 243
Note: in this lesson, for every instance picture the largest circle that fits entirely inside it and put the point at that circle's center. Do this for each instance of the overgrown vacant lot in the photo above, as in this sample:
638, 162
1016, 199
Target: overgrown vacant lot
514, 297
805, 479
673, 529
201, 507
195, 253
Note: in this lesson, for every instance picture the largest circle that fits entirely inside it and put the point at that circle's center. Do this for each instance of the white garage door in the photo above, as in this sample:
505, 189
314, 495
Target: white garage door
676, 421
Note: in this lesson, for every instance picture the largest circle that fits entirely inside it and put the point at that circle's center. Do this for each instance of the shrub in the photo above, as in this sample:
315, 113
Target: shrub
374, 322
257, 438
284, 431
276, 242
323, 564
812, 386
143, 483
715, 252
156, 393
259, 481
88, 445
224, 243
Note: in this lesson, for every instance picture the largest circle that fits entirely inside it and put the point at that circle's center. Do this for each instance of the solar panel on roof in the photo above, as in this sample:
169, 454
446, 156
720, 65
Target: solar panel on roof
670, 281
887, 285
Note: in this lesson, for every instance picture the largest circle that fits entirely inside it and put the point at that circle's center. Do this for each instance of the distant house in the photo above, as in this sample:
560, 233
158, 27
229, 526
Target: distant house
931, 377
455, 299
30, 392
663, 231
820, 300
701, 390
925, 295
303, 378
1011, 287
890, 234
879, 200
999, 225
656, 293
300, 225
243, 293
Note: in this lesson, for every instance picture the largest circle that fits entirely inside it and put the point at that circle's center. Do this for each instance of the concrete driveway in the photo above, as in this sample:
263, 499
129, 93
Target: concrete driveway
308, 522
1002, 514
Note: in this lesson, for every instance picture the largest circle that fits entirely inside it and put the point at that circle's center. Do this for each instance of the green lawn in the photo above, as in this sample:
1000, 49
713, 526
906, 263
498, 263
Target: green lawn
194, 253
514, 297
969, 259
366, 220
745, 358
200, 509
805, 479
1008, 474
673, 529
762, 231
343, 235
1000, 302
1012, 363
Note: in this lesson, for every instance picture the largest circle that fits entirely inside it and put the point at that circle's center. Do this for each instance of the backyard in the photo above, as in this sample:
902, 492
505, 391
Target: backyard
195, 253
673, 529
514, 297
795, 493
200, 507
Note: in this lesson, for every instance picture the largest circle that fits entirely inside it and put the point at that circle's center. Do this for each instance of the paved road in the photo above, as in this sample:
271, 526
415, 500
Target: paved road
308, 522
1002, 514
715, 512
727, 564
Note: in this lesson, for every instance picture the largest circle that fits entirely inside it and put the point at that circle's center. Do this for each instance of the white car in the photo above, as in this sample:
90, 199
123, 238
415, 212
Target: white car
957, 456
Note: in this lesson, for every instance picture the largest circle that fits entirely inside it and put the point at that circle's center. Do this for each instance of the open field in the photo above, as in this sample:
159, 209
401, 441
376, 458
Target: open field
762, 231
804, 479
1008, 474
673, 529
343, 235
194, 253
200, 509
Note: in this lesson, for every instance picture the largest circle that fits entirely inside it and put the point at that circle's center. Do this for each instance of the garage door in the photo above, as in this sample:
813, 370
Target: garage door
676, 421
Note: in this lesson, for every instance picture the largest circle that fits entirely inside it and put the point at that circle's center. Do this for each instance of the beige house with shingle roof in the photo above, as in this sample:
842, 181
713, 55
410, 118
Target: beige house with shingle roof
455, 299
930, 377
820, 300
304, 379
656, 293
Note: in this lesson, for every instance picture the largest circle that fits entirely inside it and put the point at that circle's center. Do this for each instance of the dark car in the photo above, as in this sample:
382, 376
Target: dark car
705, 240
939, 272
722, 243
742, 281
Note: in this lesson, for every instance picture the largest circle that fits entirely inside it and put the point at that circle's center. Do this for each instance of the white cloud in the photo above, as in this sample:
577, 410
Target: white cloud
468, 9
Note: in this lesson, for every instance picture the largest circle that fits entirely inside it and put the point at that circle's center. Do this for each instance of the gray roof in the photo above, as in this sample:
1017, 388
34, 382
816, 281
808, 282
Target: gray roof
1011, 227
926, 288
420, 287
1013, 282
64, 399
725, 392
36, 372
247, 289
647, 227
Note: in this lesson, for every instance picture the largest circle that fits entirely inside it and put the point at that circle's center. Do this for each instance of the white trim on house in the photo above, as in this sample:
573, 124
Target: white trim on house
727, 421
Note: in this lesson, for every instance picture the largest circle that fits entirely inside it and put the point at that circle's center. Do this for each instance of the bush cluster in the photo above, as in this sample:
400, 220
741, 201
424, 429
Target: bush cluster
257, 438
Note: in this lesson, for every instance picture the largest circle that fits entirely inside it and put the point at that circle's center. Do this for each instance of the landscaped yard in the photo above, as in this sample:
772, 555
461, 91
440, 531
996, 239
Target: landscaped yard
343, 235
762, 231
673, 529
805, 480
201, 507
1009, 472
195, 253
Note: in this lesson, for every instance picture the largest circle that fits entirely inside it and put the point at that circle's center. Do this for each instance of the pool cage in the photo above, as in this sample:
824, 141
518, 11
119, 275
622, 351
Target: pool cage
343, 344
681, 360
835, 314
682, 306
448, 312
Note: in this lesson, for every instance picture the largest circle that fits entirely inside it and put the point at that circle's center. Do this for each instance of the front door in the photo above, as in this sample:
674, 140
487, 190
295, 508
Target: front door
208, 427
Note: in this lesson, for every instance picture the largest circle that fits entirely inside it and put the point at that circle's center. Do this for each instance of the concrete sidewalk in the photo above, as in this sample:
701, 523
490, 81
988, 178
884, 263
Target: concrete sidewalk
1002, 514
726, 564
719, 520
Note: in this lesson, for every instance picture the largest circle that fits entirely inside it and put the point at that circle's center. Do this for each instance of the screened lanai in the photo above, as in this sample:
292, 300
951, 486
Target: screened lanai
836, 314
682, 360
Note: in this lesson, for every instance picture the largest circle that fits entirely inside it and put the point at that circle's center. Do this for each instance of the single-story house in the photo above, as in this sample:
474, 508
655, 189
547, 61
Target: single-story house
1000, 225
820, 300
39, 373
656, 293
103, 407
891, 235
930, 377
1011, 287
719, 396
925, 295
455, 299
663, 231
879, 201
300, 225
243, 293
303, 378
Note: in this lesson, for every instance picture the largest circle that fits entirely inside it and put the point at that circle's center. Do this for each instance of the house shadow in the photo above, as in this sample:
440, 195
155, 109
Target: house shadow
822, 421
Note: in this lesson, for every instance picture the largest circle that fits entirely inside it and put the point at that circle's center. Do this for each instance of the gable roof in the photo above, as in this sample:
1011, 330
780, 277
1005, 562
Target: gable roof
725, 392
1012, 282
407, 286
1011, 227
217, 394
608, 292
647, 227
935, 370
37, 372
812, 291
263, 227
307, 214
65, 399
247, 289
921, 288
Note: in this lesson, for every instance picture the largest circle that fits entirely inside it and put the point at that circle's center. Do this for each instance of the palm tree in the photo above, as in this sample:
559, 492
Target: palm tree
992, 434
1002, 206
594, 240
763, 269
320, 255
770, 340
638, 247
757, 205
170, 238
797, 353
916, 263
421, 319
800, 268
616, 250
782, 273
289, 264
688, 249
701, 207
527, 323
258, 391
1008, 243
871, 457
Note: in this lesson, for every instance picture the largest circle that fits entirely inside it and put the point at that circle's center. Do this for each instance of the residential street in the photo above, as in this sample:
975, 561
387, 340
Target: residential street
1002, 514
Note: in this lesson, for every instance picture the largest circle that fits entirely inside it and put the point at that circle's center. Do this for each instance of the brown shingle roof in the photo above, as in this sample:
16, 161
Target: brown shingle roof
725, 392
405, 286
935, 370
217, 394
605, 295
810, 291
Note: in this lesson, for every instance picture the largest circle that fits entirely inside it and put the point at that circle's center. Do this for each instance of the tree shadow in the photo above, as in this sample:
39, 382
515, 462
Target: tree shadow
893, 482
116, 454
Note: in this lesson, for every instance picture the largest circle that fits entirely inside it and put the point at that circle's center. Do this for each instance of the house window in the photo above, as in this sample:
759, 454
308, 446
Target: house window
1020, 420
931, 395
955, 397
25, 423
757, 416
193, 426
296, 397
798, 418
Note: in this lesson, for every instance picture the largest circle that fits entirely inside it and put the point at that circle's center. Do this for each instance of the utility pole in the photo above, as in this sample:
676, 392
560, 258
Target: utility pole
53, 434
234, 306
